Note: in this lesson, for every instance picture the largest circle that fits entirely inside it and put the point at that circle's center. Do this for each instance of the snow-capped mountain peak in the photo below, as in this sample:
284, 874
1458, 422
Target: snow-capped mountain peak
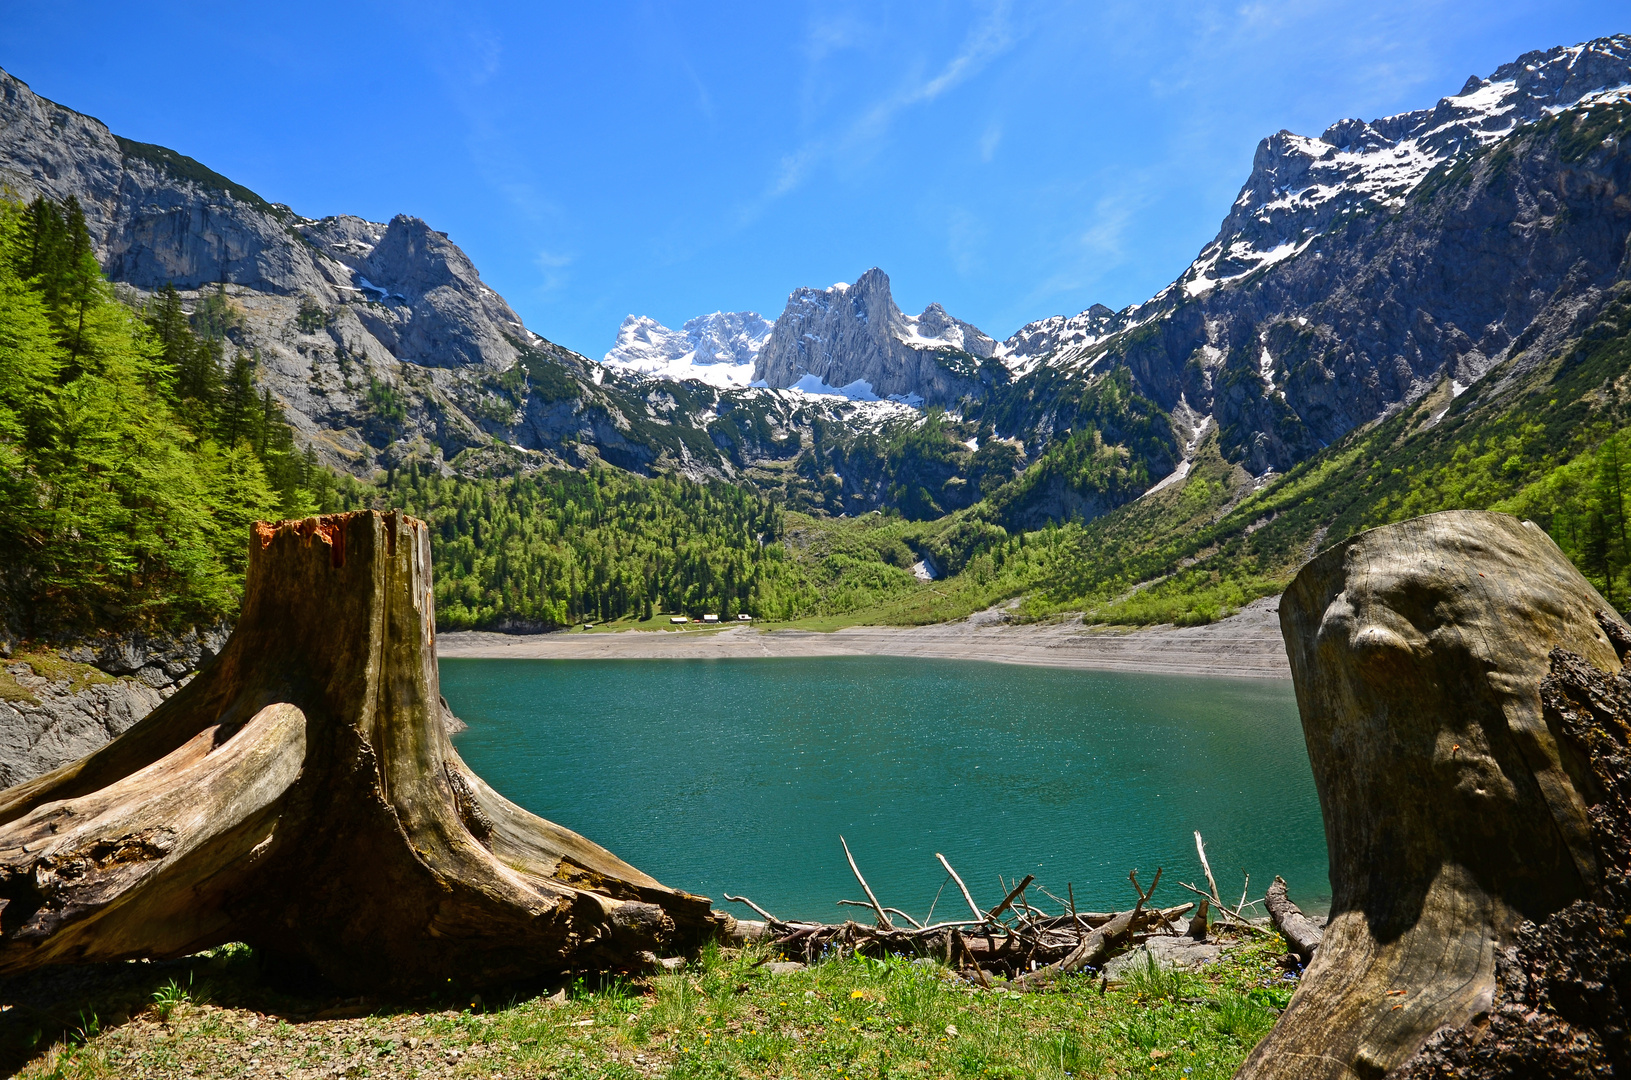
935, 329
1301, 186
719, 349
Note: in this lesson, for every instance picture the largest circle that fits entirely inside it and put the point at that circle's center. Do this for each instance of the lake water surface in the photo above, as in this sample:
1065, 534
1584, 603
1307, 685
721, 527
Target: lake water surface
739, 775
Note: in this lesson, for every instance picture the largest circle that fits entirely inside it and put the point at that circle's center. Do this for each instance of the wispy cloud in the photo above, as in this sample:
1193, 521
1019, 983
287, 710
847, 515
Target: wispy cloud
484, 57
989, 38
1095, 243
668, 34
1104, 238
553, 265
989, 142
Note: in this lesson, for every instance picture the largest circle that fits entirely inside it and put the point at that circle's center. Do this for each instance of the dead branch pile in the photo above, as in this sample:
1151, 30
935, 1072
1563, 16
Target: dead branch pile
1018, 939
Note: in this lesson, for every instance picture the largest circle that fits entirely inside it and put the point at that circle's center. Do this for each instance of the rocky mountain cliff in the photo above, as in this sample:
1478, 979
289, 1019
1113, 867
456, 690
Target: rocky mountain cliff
1358, 270
854, 339
380, 341
1354, 272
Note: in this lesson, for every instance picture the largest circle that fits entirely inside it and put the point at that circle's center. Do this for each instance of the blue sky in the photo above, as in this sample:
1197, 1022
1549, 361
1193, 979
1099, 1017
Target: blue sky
1009, 160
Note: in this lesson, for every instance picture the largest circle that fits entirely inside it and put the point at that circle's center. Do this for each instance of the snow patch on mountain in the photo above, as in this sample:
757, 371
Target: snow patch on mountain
718, 349
1059, 339
859, 390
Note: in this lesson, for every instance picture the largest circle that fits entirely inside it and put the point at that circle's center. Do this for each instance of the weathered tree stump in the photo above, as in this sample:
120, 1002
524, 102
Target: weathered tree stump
1453, 813
301, 795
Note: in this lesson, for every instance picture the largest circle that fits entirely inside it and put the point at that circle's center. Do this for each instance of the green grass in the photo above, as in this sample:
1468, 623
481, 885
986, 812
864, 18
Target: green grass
722, 1016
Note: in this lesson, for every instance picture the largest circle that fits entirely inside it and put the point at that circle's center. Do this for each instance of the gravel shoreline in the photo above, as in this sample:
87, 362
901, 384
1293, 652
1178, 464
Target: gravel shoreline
1245, 645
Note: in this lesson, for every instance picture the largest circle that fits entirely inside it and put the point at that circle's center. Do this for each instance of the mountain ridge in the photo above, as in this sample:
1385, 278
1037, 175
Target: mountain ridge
1342, 286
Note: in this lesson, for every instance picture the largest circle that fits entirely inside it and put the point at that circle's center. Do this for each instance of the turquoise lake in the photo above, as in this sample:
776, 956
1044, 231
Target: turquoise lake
739, 776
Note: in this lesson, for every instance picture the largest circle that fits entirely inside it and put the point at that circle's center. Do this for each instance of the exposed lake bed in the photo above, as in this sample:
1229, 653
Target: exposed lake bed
1244, 645
738, 775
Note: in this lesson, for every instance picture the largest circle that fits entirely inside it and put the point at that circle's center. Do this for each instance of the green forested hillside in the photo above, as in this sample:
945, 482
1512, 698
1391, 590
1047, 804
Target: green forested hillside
132, 458
548, 548
554, 547
1542, 437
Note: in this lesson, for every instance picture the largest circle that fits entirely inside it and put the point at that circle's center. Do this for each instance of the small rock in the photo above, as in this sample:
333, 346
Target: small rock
951, 1030
1168, 951
558, 997
672, 963
784, 967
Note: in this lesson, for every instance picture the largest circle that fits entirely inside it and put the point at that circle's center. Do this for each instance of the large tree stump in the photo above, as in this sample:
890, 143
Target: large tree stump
301, 795
1453, 814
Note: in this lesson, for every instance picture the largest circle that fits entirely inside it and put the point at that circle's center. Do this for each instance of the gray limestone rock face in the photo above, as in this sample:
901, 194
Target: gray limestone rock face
854, 333
164, 660
155, 216
1300, 187
402, 307
63, 727
456, 321
345, 238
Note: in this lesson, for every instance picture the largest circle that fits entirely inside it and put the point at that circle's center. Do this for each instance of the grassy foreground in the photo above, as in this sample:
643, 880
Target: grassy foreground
725, 1016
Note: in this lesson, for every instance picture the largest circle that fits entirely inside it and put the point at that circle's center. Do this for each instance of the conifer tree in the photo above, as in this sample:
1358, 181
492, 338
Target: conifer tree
169, 322
236, 418
82, 280
198, 381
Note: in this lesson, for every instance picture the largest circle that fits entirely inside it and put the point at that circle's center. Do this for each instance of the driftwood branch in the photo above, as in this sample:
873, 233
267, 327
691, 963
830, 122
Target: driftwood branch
1223, 911
883, 918
1300, 933
768, 917
995, 913
893, 911
1031, 947
1200, 849
972, 906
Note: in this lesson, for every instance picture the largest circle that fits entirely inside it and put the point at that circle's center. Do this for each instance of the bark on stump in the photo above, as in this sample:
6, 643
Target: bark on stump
301, 795
1452, 815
